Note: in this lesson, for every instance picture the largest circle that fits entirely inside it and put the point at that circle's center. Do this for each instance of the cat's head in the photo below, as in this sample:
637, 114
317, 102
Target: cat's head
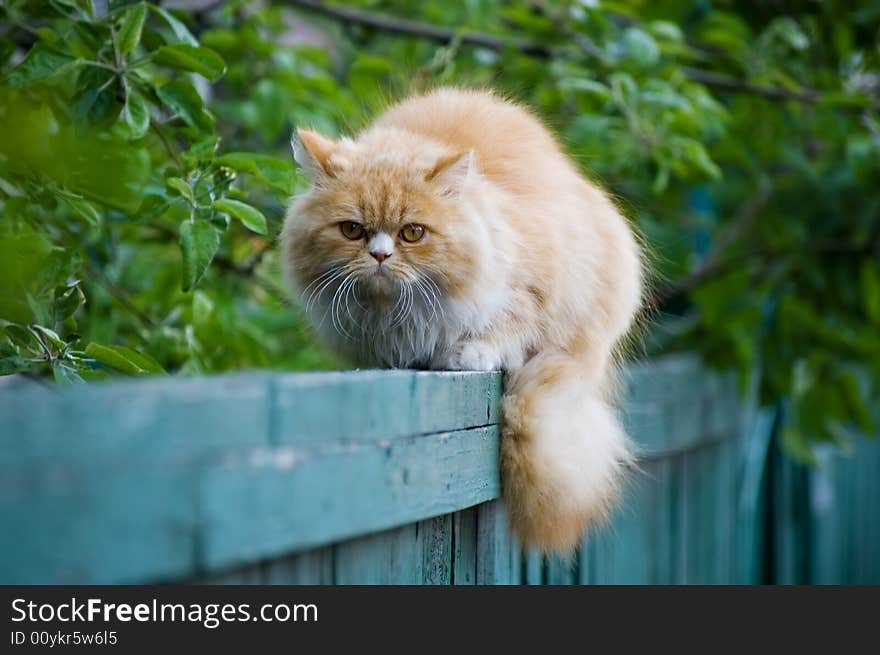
387, 216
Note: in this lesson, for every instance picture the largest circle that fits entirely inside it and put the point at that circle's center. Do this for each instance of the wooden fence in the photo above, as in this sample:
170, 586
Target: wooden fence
392, 477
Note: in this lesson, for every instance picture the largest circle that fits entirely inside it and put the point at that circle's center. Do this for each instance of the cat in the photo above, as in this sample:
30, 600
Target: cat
453, 233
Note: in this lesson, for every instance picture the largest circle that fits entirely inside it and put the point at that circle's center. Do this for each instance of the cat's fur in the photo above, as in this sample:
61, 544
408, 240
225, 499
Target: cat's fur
525, 266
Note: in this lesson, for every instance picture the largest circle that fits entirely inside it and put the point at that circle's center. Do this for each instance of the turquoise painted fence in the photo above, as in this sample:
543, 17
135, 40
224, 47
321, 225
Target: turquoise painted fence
392, 477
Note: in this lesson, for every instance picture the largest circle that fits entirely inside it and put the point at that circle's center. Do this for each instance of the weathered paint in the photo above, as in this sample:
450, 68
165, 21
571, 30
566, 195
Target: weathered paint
373, 477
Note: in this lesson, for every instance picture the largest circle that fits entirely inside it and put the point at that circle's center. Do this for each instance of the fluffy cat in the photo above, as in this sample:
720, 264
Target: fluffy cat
453, 233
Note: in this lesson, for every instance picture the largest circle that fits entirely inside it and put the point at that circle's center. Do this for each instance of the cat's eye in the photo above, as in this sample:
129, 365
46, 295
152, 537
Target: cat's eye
351, 230
412, 232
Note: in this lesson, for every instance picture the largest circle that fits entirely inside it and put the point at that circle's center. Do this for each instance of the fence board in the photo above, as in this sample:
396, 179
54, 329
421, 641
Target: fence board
380, 405
392, 477
270, 508
312, 567
464, 548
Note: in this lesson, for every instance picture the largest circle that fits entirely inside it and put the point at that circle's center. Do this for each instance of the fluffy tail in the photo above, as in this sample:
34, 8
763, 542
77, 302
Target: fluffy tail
563, 452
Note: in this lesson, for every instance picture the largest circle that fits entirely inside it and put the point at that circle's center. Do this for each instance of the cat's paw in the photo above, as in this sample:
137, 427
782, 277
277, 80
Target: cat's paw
472, 356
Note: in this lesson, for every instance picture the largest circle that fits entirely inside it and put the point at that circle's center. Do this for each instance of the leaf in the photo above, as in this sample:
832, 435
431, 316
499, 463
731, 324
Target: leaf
65, 374
278, 173
39, 64
199, 241
180, 30
10, 364
197, 59
585, 85
789, 32
852, 396
666, 30
68, 302
870, 289
81, 207
96, 102
183, 99
137, 114
180, 185
131, 28
124, 359
639, 47
251, 217
20, 336
49, 335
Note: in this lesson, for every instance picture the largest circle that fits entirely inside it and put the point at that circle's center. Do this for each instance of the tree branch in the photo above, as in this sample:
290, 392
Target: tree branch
719, 81
119, 296
439, 34
418, 29
164, 139
718, 267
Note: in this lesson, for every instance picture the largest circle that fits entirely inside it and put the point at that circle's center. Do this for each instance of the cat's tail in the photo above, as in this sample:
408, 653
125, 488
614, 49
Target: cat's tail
563, 452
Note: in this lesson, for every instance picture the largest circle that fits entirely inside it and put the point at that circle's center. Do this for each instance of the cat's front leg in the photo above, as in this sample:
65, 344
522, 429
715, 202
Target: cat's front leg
469, 355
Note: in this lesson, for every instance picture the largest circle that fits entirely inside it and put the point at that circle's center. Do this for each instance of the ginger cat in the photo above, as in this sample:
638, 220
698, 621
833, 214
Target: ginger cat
453, 233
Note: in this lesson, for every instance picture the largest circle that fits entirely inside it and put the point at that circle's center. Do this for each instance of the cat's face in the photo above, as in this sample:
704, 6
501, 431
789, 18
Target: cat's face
382, 229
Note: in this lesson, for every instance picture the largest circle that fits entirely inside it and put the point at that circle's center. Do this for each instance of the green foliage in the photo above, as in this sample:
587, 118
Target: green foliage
117, 198
144, 169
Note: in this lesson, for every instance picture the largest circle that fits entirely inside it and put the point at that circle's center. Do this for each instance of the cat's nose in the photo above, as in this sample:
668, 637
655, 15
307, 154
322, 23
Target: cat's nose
381, 246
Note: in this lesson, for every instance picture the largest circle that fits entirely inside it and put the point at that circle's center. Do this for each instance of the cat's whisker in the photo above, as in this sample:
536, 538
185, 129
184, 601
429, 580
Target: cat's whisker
351, 291
404, 298
307, 295
409, 304
392, 314
435, 288
429, 300
316, 294
336, 306
318, 279
320, 291
334, 321
434, 291
440, 273
354, 293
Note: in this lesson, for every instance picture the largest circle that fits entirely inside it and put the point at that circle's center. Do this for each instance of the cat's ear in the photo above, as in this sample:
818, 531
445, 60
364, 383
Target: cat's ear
314, 153
452, 171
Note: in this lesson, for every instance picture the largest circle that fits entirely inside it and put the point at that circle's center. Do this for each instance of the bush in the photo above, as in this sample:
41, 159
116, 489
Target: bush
144, 170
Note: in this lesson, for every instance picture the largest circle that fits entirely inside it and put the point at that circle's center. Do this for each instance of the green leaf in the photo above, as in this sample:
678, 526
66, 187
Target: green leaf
639, 47
180, 30
852, 396
870, 283
789, 32
20, 336
68, 302
197, 59
180, 185
65, 374
137, 114
585, 85
199, 241
81, 207
96, 103
182, 98
12, 363
39, 64
124, 359
49, 335
131, 28
250, 217
666, 30
278, 173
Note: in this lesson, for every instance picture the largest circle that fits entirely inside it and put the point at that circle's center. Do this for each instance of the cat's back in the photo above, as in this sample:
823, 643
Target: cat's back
511, 144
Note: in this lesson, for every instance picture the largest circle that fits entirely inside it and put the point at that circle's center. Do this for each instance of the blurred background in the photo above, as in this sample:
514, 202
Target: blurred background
145, 167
